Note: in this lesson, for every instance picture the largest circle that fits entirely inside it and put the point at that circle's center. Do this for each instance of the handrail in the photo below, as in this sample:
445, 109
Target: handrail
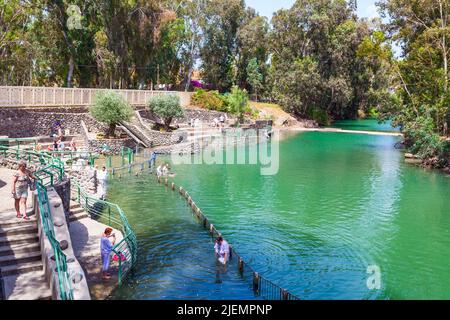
51, 171
112, 215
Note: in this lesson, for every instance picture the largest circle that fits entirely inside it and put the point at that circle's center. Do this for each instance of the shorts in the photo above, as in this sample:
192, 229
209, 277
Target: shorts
21, 194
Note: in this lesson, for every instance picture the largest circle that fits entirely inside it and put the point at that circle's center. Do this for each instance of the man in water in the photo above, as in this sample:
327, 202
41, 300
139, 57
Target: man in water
102, 177
222, 250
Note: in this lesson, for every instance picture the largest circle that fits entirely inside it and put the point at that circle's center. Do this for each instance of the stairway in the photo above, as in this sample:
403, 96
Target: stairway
77, 212
20, 259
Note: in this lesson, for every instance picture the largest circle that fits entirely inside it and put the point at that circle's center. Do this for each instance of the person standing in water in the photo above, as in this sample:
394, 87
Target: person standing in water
222, 250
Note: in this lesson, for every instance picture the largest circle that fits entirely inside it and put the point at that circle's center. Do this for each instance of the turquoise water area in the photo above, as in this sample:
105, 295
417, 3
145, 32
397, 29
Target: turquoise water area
339, 204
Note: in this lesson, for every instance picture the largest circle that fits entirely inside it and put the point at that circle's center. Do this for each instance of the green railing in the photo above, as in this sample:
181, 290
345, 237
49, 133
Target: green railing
112, 215
51, 171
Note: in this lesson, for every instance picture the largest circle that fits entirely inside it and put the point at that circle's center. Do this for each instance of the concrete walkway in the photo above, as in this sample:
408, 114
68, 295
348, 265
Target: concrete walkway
85, 235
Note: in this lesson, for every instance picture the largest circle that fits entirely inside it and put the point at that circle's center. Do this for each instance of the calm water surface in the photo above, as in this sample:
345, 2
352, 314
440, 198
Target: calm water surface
339, 204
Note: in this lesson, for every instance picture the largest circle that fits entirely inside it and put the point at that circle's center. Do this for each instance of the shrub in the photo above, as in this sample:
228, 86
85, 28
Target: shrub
238, 103
110, 108
320, 116
167, 107
211, 100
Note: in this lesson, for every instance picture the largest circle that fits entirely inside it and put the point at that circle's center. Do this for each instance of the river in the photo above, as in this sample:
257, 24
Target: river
339, 206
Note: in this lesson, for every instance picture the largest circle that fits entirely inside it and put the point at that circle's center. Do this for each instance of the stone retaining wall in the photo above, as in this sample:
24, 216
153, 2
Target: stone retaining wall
20, 122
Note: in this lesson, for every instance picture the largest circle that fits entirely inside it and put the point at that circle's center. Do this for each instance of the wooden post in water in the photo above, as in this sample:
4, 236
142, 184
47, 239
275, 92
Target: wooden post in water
166, 182
241, 266
255, 282
211, 229
173, 186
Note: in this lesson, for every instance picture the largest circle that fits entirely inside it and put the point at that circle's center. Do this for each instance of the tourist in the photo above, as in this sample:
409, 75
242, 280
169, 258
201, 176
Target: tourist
21, 180
159, 170
102, 178
61, 146
55, 144
165, 169
38, 147
106, 246
73, 145
222, 250
222, 119
153, 159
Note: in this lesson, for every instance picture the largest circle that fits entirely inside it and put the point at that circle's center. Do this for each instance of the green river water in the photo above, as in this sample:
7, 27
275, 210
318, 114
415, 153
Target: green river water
338, 204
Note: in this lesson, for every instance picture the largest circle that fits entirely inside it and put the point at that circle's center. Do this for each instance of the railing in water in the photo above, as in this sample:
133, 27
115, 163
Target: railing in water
261, 286
50, 172
13, 96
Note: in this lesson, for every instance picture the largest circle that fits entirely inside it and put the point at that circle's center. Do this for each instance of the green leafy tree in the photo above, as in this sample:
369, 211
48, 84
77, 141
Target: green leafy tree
254, 77
423, 97
111, 108
238, 103
167, 107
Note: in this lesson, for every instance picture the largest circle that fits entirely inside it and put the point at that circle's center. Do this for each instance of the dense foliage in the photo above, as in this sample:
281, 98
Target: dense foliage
211, 100
316, 59
422, 104
166, 107
111, 108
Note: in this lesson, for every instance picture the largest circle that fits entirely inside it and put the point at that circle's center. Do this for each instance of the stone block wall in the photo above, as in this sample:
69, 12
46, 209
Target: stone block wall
21, 122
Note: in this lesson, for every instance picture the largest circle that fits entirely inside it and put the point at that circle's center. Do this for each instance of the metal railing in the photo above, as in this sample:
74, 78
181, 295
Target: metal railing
51, 171
13, 96
112, 215
261, 286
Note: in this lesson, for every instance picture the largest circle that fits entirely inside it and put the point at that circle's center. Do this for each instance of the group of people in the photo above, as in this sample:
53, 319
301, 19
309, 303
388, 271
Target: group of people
163, 170
219, 122
100, 179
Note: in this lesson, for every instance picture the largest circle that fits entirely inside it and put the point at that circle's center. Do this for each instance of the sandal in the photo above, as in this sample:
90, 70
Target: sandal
19, 216
26, 218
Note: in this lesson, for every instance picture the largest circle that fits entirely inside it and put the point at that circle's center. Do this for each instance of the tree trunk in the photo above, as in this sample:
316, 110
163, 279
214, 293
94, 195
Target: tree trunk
70, 73
111, 130
167, 123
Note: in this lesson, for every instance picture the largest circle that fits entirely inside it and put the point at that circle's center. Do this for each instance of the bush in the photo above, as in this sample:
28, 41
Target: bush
238, 103
211, 100
425, 142
167, 107
111, 108
320, 116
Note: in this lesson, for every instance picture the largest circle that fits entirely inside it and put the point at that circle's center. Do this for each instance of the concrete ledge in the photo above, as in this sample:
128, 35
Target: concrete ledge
77, 276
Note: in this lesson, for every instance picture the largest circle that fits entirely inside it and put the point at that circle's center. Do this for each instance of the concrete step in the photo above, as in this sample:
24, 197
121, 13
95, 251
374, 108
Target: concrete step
27, 286
18, 229
21, 268
78, 216
20, 258
9, 218
19, 239
19, 248
74, 205
76, 211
